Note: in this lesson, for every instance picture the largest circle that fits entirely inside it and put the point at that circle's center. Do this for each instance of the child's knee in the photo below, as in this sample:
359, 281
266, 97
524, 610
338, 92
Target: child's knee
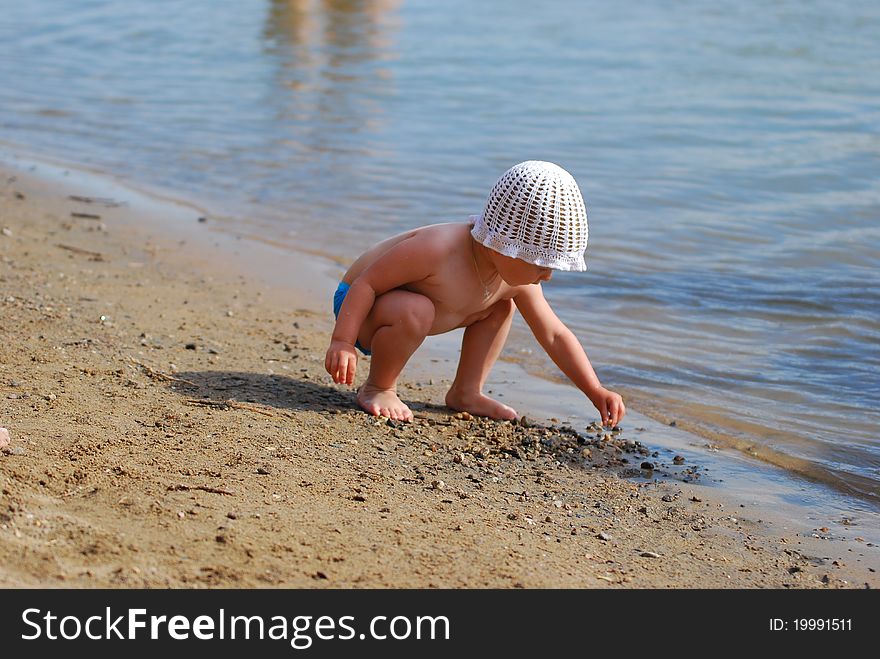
418, 314
502, 310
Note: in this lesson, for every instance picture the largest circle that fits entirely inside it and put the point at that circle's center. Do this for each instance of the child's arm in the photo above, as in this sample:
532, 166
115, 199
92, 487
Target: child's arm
566, 352
409, 261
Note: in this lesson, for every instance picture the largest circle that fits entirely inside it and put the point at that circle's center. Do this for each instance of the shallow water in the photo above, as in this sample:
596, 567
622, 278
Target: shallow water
728, 153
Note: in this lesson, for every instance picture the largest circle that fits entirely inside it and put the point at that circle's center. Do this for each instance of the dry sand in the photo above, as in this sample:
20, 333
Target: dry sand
172, 426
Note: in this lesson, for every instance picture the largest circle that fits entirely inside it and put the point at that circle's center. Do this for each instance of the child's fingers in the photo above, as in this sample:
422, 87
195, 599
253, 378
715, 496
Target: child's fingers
333, 367
618, 411
605, 411
349, 372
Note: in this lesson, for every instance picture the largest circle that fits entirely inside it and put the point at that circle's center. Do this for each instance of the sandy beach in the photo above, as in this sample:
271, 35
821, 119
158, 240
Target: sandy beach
172, 425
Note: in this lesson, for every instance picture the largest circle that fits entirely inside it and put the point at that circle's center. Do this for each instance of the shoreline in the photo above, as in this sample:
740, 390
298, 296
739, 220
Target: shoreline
260, 353
309, 274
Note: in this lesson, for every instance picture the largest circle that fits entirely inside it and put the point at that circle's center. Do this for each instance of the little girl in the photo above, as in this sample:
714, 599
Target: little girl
440, 277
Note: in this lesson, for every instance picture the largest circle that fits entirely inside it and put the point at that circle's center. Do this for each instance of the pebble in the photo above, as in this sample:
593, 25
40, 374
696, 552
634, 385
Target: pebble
678, 459
667, 498
4, 438
359, 497
647, 465
265, 471
6, 231
464, 416
603, 536
438, 485
190, 346
650, 554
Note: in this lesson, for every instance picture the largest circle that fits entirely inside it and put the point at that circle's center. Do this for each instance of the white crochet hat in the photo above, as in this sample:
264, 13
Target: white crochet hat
535, 213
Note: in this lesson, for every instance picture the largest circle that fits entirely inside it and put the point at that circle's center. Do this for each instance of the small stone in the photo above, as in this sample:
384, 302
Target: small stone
603, 536
650, 554
647, 465
264, 470
4, 438
673, 424
230, 314
511, 515
458, 458
438, 485
232, 515
359, 497
525, 422
548, 519
696, 499
574, 531
667, 498
464, 416
12, 396
6, 231
220, 538
678, 459
190, 346
51, 397
586, 453
181, 514
203, 219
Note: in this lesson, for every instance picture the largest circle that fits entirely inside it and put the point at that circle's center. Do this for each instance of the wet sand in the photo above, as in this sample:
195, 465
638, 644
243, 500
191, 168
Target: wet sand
172, 425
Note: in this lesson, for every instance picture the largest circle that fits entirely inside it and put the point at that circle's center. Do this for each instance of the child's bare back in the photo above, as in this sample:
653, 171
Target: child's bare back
441, 277
448, 257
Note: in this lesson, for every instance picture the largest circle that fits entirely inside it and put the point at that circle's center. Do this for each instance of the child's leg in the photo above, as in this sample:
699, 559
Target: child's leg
396, 325
480, 347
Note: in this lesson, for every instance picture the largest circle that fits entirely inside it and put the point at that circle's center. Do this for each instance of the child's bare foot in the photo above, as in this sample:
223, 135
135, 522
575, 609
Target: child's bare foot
480, 405
383, 402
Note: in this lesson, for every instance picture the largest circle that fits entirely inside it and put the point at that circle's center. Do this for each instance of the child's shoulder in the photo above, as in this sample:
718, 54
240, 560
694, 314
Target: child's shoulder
446, 232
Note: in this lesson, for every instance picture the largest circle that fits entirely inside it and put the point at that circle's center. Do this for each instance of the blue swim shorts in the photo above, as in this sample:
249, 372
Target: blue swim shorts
338, 297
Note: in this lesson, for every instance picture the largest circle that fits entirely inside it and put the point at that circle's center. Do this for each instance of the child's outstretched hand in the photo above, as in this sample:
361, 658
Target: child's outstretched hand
610, 406
341, 362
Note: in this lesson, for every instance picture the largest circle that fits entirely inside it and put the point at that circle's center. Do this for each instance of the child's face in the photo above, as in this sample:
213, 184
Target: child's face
517, 272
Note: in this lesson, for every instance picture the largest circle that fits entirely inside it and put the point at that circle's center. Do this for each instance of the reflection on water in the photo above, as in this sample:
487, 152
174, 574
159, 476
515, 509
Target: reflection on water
331, 79
728, 153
